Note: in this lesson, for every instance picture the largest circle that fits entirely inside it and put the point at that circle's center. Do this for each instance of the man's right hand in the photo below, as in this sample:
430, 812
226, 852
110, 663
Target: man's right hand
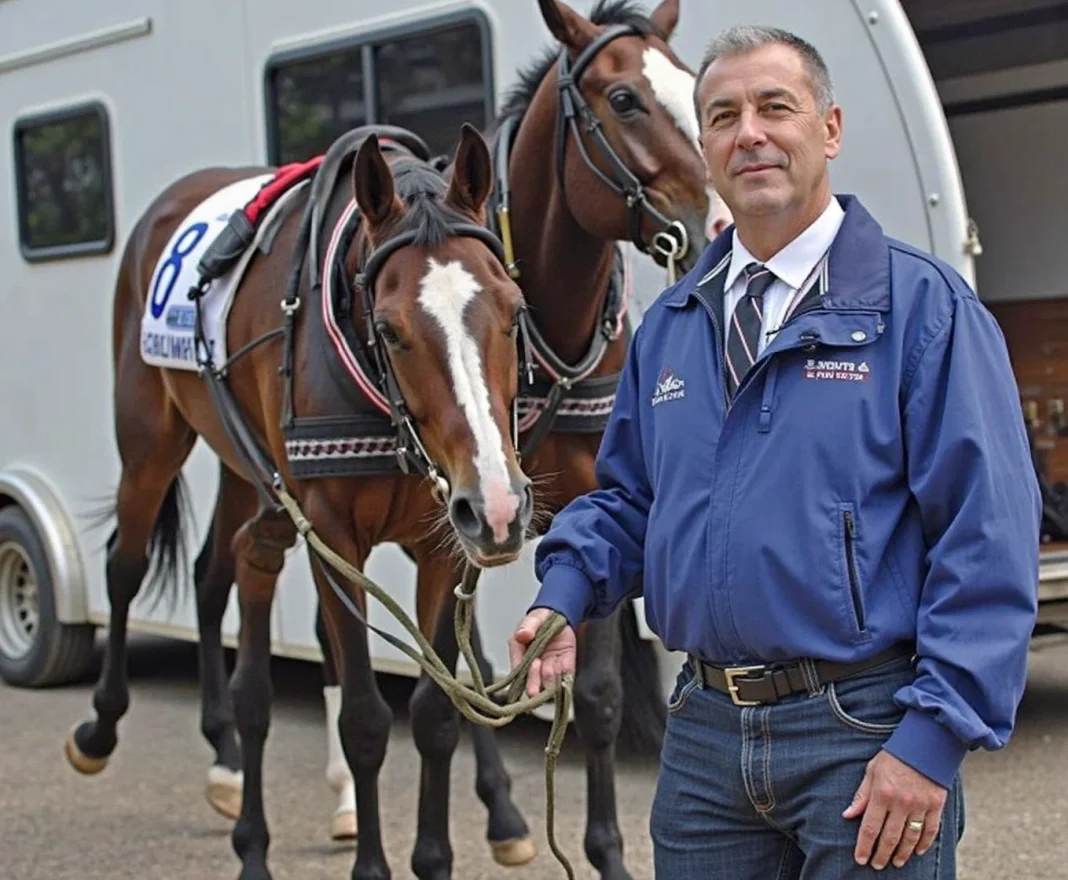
557, 659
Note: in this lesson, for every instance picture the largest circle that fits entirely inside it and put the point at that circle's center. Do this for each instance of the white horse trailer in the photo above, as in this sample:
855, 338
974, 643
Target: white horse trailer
955, 112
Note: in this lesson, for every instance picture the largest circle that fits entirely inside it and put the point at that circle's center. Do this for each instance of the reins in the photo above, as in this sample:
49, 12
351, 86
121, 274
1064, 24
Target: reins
475, 702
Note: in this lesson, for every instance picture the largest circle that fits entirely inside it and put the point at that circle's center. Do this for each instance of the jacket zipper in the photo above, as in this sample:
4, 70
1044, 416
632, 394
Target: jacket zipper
854, 586
719, 351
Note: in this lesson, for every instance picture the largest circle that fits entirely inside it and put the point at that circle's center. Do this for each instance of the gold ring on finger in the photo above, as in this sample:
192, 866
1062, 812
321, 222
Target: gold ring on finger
915, 824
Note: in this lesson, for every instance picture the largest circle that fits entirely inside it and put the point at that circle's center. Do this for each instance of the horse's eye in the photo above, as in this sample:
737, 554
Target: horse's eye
388, 334
624, 102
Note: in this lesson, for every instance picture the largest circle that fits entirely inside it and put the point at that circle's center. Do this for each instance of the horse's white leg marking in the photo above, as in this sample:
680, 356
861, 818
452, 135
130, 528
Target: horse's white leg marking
445, 291
673, 88
338, 775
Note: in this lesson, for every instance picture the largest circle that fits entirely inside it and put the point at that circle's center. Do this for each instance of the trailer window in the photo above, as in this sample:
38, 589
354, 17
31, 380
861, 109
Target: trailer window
432, 83
315, 101
63, 183
428, 78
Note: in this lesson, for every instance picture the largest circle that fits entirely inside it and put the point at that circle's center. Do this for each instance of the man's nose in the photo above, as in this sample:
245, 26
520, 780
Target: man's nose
750, 131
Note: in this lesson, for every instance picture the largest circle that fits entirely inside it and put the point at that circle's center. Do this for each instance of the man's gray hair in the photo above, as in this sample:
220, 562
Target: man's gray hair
746, 38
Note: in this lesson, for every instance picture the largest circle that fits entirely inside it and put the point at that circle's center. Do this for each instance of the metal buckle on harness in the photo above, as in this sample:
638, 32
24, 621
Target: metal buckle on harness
731, 674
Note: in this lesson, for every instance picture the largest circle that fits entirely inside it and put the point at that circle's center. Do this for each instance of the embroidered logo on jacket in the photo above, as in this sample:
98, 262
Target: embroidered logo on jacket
668, 387
839, 371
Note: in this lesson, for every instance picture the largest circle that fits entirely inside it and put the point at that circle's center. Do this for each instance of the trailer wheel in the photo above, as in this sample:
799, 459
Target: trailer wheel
35, 648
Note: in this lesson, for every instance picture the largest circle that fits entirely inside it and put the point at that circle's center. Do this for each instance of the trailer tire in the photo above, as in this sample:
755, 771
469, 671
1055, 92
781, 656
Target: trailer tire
36, 649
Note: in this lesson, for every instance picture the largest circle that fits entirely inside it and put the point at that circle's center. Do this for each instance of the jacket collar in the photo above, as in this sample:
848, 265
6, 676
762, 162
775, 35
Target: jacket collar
858, 263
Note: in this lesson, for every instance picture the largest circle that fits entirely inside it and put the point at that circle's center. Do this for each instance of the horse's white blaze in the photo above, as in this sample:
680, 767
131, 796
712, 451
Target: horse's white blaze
445, 291
673, 88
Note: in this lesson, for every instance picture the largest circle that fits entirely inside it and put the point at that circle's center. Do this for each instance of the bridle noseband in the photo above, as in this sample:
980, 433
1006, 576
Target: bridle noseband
671, 241
410, 451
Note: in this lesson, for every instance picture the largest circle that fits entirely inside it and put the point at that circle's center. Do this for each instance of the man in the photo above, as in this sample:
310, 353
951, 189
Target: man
817, 468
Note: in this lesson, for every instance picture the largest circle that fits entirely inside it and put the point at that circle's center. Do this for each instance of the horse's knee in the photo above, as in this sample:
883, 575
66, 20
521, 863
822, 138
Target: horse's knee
598, 705
262, 542
435, 721
364, 725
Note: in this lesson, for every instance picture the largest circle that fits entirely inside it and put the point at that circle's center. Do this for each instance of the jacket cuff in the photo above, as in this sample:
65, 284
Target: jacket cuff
927, 747
566, 589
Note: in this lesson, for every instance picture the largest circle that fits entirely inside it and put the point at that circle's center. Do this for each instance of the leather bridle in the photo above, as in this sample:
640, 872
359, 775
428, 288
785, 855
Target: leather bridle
671, 241
410, 451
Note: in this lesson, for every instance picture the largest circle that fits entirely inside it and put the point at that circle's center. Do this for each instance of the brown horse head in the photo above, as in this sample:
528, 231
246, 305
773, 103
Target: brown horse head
642, 94
446, 313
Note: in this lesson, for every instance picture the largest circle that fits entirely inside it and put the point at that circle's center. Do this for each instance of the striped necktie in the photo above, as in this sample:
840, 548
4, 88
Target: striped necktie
743, 335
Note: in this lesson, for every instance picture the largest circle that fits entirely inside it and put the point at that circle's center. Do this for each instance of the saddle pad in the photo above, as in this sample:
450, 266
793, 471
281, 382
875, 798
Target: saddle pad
168, 321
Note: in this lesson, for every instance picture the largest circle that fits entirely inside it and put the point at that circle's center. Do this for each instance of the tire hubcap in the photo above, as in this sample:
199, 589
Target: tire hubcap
20, 609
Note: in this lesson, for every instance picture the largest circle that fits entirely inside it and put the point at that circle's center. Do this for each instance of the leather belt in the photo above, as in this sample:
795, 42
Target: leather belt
768, 683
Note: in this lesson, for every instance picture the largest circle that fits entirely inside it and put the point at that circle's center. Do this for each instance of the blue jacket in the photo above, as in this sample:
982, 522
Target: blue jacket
870, 483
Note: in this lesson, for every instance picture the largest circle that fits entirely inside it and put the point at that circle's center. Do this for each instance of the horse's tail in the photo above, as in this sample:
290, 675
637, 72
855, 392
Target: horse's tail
644, 705
167, 554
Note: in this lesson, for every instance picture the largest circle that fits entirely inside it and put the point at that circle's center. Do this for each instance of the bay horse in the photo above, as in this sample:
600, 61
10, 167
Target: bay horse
596, 144
565, 198
432, 303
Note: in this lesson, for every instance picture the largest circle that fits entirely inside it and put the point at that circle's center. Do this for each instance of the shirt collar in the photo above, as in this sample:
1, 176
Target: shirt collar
795, 262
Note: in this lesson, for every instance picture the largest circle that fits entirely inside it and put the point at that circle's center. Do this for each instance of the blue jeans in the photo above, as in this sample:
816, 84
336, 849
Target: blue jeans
757, 792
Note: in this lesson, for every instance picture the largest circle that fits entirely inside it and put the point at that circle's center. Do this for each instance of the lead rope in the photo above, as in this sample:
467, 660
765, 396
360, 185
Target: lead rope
474, 703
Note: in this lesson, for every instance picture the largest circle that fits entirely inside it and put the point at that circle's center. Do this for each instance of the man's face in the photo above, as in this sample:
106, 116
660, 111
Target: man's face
764, 139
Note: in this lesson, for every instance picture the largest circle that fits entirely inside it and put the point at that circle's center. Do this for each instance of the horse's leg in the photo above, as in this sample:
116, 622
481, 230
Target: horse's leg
598, 712
435, 729
507, 830
235, 504
153, 442
435, 721
259, 548
338, 777
365, 719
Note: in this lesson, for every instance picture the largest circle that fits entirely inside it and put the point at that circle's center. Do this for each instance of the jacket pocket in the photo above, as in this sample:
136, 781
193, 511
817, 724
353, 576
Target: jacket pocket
849, 545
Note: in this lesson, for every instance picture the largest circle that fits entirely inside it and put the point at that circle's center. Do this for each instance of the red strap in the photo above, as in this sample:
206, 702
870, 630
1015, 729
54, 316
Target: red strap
287, 176
284, 178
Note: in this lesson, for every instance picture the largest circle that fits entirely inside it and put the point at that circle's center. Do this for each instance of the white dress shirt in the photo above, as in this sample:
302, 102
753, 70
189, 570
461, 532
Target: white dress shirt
793, 267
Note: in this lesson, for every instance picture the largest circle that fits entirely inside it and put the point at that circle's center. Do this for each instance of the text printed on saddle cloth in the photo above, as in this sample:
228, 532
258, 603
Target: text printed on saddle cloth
445, 291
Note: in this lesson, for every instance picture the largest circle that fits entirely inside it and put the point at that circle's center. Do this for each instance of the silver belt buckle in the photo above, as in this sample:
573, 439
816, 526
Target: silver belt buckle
731, 673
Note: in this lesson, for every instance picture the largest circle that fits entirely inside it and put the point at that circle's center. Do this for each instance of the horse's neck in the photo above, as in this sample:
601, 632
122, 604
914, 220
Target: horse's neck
564, 269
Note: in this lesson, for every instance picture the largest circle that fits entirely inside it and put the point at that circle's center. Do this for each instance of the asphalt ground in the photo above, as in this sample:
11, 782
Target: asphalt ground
145, 816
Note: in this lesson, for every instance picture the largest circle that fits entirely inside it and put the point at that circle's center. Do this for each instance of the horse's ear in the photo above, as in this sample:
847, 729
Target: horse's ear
472, 174
566, 25
372, 184
666, 17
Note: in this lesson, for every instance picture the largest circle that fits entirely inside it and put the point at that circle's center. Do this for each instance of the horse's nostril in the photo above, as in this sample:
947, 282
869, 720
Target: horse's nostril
528, 500
465, 518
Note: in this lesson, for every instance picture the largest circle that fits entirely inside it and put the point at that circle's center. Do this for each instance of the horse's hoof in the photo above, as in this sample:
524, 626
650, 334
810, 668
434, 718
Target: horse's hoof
343, 825
79, 760
513, 853
223, 790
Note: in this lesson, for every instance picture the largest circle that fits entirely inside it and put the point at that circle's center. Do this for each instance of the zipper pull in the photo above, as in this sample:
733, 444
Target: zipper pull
851, 527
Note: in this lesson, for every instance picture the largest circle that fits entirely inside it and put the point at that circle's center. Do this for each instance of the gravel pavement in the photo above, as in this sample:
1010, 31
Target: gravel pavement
145, 817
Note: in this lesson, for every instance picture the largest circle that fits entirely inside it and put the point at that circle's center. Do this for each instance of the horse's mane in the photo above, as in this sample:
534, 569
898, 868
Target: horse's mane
605, 12
421, 187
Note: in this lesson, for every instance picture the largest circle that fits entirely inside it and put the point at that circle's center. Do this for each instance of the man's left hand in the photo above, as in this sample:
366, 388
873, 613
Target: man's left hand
891, 795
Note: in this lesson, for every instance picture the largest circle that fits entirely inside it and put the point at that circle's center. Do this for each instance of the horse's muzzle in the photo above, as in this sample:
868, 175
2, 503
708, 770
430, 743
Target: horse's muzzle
492, 523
